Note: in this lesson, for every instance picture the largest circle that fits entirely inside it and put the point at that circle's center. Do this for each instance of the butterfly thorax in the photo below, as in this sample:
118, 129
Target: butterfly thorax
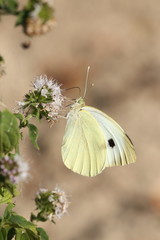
75, 107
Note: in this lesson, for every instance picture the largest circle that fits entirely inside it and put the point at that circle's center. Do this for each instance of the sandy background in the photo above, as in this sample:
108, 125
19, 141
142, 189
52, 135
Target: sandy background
120, 40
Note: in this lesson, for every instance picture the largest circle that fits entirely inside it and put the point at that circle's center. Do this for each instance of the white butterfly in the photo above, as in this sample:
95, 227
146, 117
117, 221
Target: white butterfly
94, 141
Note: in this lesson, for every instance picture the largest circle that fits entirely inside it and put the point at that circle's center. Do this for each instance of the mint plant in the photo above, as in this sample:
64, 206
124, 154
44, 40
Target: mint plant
44, 101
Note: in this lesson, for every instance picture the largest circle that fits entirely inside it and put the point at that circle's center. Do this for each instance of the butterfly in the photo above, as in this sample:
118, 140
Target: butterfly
94, 141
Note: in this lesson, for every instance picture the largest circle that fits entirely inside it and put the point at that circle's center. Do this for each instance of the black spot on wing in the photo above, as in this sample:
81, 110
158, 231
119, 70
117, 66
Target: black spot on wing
111, 142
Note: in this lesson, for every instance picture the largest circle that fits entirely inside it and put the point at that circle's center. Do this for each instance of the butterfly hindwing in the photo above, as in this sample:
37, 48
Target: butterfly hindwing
84, 147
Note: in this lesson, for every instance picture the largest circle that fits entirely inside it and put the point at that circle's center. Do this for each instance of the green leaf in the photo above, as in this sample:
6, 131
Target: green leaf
2, 237
6, 232
33, 217
42, 233
19, 232
25, 13
10, 6
1, 59
8, 211
11, 233
33, 135
19, 116
22, 17
5, 196
32, 235
21, 235
30, 6
9, 132
23, 121
14, 225
19, 221
46, 12
24, 236
7, 192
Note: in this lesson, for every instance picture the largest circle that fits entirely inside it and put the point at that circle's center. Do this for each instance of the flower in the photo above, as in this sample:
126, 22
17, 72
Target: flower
21, 104
41, 190
40, 20
36, 27
23, 168
40, 82
46, 100
44, 92
50, 204
61, 204
14, 168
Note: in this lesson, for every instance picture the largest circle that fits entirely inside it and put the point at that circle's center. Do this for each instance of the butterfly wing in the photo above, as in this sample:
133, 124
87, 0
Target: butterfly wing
119, 148
84, 147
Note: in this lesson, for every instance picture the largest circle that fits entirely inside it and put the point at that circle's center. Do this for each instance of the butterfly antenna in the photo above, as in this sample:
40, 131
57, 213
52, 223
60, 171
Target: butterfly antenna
74, 88
86, 82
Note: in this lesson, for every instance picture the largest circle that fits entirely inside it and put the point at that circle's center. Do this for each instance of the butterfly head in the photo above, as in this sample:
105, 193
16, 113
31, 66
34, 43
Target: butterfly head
79, 103
76, 107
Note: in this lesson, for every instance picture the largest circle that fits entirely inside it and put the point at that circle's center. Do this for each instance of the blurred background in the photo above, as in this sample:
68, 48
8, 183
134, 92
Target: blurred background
120, 40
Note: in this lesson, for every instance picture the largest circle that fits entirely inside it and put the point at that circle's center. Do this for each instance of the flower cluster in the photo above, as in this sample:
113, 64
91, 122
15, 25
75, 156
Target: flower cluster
13, 168
41, 19
46, 100
50, 204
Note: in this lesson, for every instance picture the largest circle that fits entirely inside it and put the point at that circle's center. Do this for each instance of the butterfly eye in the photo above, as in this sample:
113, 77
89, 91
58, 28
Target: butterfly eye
111, 142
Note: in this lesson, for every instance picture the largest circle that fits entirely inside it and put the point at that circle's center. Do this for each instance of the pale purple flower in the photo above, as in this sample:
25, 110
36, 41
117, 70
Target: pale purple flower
56, 203
14, 168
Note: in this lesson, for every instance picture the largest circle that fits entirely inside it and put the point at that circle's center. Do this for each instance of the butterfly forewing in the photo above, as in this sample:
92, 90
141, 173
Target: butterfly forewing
84, 147
119, 148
